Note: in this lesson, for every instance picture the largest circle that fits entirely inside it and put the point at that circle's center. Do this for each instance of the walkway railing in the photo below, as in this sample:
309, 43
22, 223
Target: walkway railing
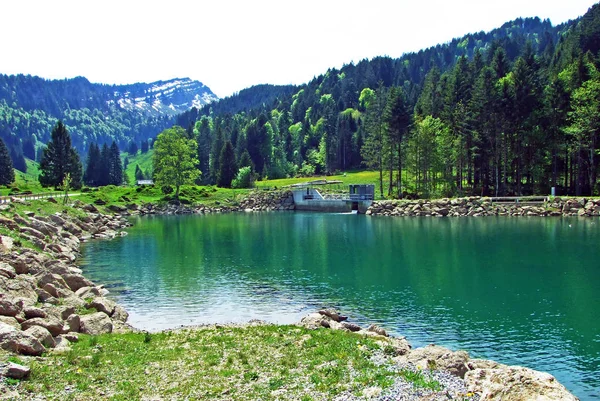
44, 195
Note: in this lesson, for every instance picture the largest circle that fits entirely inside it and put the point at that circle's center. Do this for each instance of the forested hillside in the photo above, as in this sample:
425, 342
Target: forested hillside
30, 107
512, 111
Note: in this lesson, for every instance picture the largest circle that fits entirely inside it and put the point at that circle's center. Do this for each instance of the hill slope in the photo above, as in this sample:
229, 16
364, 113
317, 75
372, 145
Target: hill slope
30, 106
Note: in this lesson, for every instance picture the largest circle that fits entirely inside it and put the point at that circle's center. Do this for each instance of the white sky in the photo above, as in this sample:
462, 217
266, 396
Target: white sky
230, 45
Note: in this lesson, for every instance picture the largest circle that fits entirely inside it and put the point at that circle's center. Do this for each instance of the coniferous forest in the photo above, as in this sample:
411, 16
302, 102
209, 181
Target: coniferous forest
515, 111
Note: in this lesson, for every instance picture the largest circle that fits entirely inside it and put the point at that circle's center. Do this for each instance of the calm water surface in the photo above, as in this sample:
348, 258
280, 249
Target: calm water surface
520, 291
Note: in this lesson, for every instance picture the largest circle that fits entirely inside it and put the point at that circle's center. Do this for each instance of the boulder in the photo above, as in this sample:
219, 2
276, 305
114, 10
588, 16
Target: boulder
22, 287
19, 342
74, 323
314, 321
54, 326
350, 326
333, 314
102, 305
436, 357
96, 323
76, 281
516, 383
7, 270
9, 308
10, 224
71, 337
11, 321
87, 292
16, 371
33, 312
377, 330
42, 334
6, 244
120, 314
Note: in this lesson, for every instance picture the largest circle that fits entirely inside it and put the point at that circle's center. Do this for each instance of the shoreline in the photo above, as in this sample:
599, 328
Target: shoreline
49, 301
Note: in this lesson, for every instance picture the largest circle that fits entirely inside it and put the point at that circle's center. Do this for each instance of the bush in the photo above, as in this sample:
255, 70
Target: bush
243, 179
167, 189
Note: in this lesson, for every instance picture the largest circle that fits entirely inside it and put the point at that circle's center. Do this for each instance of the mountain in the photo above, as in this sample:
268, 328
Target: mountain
171, 97
500, 112
30, 106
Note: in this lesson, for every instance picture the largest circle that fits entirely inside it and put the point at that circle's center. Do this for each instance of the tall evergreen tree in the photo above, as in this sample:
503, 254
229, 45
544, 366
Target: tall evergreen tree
116, 166
7, 174
93, 166
397, 118
227, 166
60, 158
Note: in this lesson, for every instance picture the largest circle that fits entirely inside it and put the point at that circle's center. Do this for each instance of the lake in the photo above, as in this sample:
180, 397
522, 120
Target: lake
522, 291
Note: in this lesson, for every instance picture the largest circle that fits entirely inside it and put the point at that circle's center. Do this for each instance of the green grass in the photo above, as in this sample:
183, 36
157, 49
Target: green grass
144, 160
350, 177
257, 362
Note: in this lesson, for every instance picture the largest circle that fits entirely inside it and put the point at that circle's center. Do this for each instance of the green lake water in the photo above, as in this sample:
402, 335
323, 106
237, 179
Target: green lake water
522, 291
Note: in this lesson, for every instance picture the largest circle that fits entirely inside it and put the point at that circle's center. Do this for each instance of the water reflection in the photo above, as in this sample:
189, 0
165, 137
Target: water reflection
521, 291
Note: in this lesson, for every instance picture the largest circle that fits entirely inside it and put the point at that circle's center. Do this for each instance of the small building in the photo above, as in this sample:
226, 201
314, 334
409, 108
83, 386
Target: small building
145, 182
358, 199
362, 192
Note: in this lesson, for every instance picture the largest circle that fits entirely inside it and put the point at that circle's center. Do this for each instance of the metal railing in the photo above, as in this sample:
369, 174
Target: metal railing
43, 195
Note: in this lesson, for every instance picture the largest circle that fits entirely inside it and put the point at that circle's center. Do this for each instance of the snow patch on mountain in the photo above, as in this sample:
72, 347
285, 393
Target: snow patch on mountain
170, 97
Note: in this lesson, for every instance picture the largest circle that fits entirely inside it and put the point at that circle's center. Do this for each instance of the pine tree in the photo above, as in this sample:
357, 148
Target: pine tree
116, 166
397, 118
7, 174
227, 166
92, 169
60, 158
139, 174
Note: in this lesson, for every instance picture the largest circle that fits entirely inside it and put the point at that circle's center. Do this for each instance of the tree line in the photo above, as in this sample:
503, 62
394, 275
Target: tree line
515, 116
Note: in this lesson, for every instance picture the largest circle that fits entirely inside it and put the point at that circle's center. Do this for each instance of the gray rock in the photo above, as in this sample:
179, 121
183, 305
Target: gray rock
333, 314
71, 337
7, 270
515, 383
33, 312
120, 314
19, 342
11, 321
96, 323
102, 305
350, 326
9, 307
54, 326
42, 334
16, 371
74, 323
436, 357
87, 292
76, 281
377, 330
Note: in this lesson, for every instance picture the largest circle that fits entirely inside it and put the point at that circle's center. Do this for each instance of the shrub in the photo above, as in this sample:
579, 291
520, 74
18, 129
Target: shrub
243, 179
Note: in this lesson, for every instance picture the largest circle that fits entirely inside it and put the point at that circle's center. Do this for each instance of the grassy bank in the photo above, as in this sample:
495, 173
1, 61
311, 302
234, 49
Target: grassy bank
242, 363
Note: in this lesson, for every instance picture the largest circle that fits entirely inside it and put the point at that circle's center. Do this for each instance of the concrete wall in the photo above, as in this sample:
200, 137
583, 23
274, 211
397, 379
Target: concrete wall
318, 204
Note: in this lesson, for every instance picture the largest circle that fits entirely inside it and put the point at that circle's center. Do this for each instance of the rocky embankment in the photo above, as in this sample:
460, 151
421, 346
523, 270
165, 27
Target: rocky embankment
478, 206
256, 201
45, 300
460, 376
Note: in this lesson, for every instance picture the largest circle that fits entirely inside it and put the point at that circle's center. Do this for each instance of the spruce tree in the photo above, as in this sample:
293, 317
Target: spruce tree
227, 166
60, 158
7, 174
116, 167
92, 170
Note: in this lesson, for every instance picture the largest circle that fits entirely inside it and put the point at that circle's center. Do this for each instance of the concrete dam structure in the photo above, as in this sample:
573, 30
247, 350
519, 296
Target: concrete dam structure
359, 198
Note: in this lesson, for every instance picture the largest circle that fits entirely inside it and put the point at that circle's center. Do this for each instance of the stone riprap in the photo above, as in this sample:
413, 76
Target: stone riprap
44, 298
480, 206
460, 376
